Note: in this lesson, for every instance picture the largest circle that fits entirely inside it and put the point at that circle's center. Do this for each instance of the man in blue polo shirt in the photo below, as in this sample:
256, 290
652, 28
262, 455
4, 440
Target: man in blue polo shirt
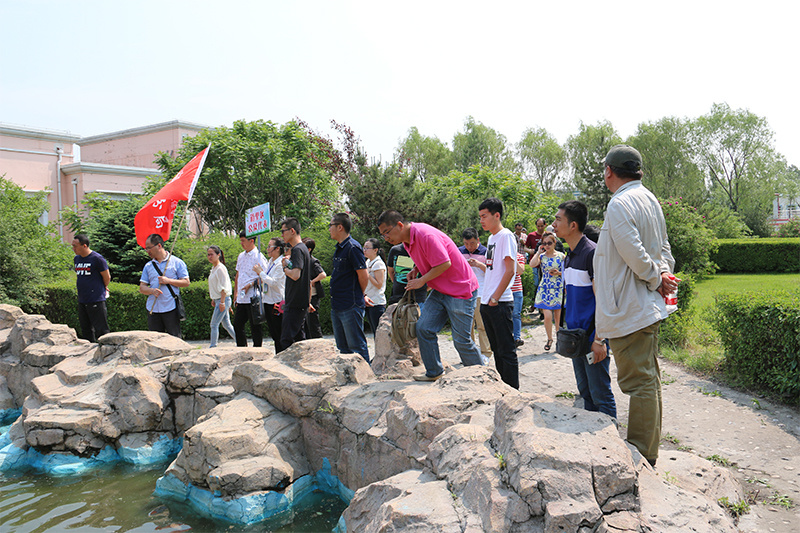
162, 280
594, 382
348, 282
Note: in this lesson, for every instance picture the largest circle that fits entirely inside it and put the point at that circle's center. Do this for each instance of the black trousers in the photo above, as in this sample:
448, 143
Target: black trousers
168, 322
274, 324
500, 329
240, 318
313, 328
292, 327
93, 318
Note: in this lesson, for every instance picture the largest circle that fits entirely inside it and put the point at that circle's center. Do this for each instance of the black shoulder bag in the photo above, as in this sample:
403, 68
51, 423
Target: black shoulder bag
571, 343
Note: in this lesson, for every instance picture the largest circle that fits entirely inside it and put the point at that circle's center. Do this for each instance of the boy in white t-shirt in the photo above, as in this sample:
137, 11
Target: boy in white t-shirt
497, 301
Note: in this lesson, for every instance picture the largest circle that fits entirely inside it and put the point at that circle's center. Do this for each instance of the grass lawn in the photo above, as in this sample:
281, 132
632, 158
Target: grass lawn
706, 289
704, 352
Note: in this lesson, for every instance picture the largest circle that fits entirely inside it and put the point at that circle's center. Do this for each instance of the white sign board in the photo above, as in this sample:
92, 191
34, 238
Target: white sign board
256, 220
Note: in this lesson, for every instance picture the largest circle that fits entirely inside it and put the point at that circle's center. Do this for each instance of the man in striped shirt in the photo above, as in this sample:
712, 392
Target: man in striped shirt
594, 382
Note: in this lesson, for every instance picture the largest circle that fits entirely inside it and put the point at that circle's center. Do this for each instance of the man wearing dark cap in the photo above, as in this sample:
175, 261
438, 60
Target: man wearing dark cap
632, 266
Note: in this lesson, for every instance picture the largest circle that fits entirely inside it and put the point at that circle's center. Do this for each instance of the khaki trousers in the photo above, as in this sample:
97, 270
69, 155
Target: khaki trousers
639, 377
477, 322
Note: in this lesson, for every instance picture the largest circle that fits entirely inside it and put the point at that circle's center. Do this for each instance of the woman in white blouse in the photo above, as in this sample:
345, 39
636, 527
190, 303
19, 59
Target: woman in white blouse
274, 281
219, 289
375, 295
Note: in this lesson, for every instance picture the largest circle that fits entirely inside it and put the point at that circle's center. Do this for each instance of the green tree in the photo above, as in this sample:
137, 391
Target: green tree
542, 158
256, 162
33, 254
481, 145
669, 168
586, 150
692, 242
371, 189
734, 149
425, 156
451, 202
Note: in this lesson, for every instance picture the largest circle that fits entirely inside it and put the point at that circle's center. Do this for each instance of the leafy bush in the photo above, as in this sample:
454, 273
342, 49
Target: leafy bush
789, 230
675, 329
724, 222
757, 255
528, 288
32, 254
691, 241
761, 336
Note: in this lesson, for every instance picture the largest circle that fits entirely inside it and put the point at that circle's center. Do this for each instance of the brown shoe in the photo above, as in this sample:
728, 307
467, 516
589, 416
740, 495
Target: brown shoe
426, 377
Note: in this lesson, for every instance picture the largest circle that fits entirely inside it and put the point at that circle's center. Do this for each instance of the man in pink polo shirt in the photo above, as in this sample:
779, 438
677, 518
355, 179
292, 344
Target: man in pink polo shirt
453, 295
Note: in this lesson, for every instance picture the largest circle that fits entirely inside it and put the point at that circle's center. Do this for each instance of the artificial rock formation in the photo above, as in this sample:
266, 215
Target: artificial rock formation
260, 431
130, 396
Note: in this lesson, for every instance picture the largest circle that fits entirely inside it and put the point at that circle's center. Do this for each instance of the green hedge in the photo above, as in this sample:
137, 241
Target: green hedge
758, 255
126, 309
761, 336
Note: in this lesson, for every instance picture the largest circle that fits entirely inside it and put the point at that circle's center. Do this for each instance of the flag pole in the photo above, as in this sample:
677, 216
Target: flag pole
189, 200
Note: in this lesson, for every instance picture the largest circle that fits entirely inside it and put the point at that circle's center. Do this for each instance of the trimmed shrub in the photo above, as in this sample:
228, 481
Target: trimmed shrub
758, 255
761, 336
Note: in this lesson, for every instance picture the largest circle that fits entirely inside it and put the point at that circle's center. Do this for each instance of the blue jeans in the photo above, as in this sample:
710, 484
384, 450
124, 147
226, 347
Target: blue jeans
438, 308
594, 384
348, 331
222, 317
517, 315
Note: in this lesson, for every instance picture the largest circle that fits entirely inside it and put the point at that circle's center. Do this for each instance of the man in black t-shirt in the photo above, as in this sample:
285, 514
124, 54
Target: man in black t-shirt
297, 296
92, 283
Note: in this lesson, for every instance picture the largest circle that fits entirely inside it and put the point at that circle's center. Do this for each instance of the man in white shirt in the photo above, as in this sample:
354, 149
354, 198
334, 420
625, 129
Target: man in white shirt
497, 301
246, 278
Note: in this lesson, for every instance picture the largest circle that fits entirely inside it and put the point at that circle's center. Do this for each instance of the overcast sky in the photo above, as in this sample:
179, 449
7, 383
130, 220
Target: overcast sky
93, 67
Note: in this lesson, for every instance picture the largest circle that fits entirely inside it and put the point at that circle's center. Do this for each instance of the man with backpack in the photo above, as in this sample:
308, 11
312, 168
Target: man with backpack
454, 289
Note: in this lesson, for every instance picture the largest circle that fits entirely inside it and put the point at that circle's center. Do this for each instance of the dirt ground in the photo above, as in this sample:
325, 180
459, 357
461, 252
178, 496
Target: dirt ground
759, 439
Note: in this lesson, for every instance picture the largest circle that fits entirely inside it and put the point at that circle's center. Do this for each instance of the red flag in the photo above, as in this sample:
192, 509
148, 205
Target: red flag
157, 214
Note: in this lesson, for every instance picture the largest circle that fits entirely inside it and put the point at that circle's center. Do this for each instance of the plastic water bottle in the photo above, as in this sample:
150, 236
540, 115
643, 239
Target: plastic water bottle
671, 299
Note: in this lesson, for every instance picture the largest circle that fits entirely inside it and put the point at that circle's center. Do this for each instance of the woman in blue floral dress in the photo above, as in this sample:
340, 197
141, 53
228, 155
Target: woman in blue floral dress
551, 285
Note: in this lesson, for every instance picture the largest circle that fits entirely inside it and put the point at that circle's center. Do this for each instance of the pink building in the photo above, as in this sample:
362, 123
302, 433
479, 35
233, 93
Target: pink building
116, 164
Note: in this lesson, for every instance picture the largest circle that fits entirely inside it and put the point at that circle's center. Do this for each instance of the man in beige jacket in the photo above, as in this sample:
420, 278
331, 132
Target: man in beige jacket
632, 267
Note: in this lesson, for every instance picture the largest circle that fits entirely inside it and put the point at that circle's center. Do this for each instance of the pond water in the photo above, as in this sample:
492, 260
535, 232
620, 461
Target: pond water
119, 498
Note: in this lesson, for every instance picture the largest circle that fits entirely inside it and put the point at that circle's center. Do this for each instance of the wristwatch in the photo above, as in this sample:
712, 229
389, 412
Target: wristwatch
493, 300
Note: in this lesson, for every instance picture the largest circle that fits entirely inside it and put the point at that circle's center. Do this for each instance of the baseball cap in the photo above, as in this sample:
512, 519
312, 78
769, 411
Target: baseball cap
624, 156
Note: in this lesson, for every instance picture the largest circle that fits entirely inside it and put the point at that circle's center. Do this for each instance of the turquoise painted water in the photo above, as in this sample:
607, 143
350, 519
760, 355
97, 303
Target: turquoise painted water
119, 498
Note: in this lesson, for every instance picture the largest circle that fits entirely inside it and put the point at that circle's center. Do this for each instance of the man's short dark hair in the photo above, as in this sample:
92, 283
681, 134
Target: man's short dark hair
390, 217
576, 211
291, 223
493, 205
469, 233
592, 233
243, 233
82, 239
518, 225
155, 239
343, 219
626, 174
